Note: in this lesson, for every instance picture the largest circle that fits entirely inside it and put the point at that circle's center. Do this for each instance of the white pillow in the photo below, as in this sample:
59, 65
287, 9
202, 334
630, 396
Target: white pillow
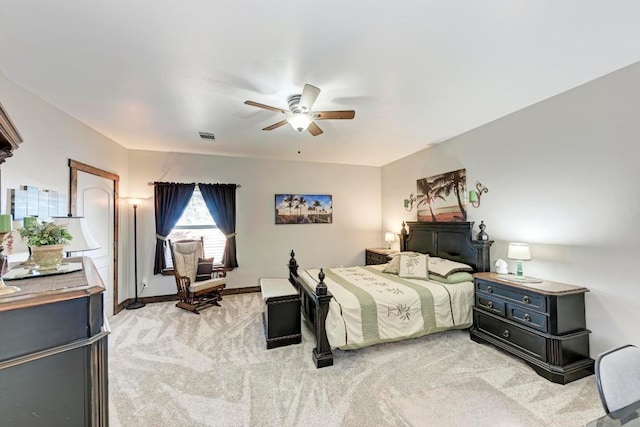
393, 266
444, 267
414, 266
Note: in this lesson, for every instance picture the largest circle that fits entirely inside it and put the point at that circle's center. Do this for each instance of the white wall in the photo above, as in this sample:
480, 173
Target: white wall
263, 247
563, 176
51, 138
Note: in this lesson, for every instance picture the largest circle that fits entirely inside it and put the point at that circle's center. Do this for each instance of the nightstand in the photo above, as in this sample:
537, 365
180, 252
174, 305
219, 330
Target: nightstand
541, 323
373, 256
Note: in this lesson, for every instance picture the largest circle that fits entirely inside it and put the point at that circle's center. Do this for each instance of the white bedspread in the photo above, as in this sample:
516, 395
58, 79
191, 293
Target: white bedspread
370, 307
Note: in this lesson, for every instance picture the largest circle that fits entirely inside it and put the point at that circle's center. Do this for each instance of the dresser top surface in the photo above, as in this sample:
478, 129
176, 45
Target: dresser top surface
382, 251
545, 287
52, 288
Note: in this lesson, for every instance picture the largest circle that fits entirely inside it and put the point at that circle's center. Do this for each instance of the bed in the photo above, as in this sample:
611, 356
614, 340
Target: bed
392, 308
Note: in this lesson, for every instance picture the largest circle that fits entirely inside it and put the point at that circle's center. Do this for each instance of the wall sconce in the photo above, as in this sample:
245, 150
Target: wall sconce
474, 196
408, 203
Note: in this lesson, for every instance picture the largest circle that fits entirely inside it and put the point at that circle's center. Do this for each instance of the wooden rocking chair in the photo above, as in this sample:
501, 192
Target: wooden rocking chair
198, 286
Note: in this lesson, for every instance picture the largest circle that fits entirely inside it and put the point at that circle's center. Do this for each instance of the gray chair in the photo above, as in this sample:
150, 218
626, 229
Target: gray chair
618, 377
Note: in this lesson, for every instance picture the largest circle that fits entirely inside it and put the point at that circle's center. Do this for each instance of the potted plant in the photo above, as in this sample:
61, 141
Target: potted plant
46, 241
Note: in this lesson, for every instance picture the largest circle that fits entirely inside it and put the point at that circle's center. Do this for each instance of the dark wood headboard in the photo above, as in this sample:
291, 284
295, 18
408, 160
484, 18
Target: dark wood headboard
450, 240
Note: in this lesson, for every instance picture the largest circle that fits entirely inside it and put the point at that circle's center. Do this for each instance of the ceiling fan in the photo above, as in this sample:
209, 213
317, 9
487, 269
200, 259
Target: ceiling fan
299, 114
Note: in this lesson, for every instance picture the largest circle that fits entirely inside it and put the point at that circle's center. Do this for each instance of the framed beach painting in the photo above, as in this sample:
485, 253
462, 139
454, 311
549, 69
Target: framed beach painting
304, 209
442, 198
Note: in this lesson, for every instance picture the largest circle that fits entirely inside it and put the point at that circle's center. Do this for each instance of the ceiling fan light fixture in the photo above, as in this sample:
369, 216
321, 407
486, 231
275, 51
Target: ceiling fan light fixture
299, 121
301, 115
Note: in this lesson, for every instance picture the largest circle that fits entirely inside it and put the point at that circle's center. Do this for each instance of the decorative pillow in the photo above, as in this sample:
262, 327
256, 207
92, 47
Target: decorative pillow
444, 267
393, 266
414, 266
459, 277
205, 268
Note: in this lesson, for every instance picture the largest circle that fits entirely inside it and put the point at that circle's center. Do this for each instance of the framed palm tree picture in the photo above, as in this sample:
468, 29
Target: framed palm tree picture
442, 198
304, 209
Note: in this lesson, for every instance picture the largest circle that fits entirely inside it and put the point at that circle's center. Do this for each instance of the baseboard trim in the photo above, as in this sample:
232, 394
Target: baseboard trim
246, 290
174, 297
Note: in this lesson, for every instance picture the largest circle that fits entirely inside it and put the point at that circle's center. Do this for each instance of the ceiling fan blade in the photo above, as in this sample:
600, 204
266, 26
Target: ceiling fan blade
314, 129
325, 115
266, 107
276, 125
309, 95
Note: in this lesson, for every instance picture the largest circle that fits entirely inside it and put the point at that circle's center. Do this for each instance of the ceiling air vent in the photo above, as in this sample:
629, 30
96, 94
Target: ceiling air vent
207, 135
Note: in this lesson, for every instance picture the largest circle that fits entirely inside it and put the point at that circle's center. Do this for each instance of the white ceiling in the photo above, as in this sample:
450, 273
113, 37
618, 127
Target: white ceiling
151, 74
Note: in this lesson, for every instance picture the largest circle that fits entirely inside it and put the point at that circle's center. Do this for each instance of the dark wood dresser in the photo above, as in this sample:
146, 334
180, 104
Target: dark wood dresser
373, 256
542, 323
53, 351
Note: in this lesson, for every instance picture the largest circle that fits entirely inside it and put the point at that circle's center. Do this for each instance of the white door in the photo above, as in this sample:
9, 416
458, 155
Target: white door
95, 203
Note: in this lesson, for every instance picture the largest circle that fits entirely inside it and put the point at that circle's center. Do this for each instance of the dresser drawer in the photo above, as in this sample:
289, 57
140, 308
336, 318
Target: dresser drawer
527, 317
523, 340
492, 305
530, 299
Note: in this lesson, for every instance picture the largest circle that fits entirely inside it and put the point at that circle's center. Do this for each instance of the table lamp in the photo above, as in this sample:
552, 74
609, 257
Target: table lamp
389, 237
519, 252
82, 239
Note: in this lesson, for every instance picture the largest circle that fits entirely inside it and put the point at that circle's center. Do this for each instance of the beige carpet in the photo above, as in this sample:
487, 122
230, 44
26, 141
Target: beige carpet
168, 367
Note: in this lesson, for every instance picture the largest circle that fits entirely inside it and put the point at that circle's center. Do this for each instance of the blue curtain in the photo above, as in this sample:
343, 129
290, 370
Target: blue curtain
171, 200
221, 202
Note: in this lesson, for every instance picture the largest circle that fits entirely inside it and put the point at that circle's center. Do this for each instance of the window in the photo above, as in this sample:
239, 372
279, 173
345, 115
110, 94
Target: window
196, 221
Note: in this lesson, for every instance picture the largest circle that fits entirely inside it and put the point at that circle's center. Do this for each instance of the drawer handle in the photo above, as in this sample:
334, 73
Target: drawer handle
490, 304
527, 317
506, 333
489, 289
526, 299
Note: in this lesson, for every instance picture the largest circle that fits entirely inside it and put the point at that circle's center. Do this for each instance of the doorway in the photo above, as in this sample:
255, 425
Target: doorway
93, 193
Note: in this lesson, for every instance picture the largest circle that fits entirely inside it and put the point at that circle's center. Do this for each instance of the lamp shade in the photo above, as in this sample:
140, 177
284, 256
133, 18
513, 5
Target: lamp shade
134, 201
389, 236
299, 121
519, 251
82, 238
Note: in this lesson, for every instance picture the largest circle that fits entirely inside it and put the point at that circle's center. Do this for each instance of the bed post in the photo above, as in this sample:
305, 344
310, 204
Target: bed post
403, 237
322, 355
483, 258
315, 307
293, 265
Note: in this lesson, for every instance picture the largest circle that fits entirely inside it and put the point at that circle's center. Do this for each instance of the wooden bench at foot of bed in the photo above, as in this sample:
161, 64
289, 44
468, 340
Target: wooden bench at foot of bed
281, 316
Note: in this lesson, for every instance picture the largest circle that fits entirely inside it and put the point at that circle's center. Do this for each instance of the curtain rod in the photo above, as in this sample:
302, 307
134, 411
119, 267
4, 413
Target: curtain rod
154, 183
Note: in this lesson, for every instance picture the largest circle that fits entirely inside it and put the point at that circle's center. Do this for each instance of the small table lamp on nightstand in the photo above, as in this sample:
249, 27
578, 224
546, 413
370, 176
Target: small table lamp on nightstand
519, 252
389, 237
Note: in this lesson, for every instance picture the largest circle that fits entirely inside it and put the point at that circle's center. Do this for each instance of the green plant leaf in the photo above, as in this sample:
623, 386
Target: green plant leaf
45, 233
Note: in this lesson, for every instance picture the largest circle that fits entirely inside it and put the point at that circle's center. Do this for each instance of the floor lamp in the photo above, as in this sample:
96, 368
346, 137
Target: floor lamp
135, 202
